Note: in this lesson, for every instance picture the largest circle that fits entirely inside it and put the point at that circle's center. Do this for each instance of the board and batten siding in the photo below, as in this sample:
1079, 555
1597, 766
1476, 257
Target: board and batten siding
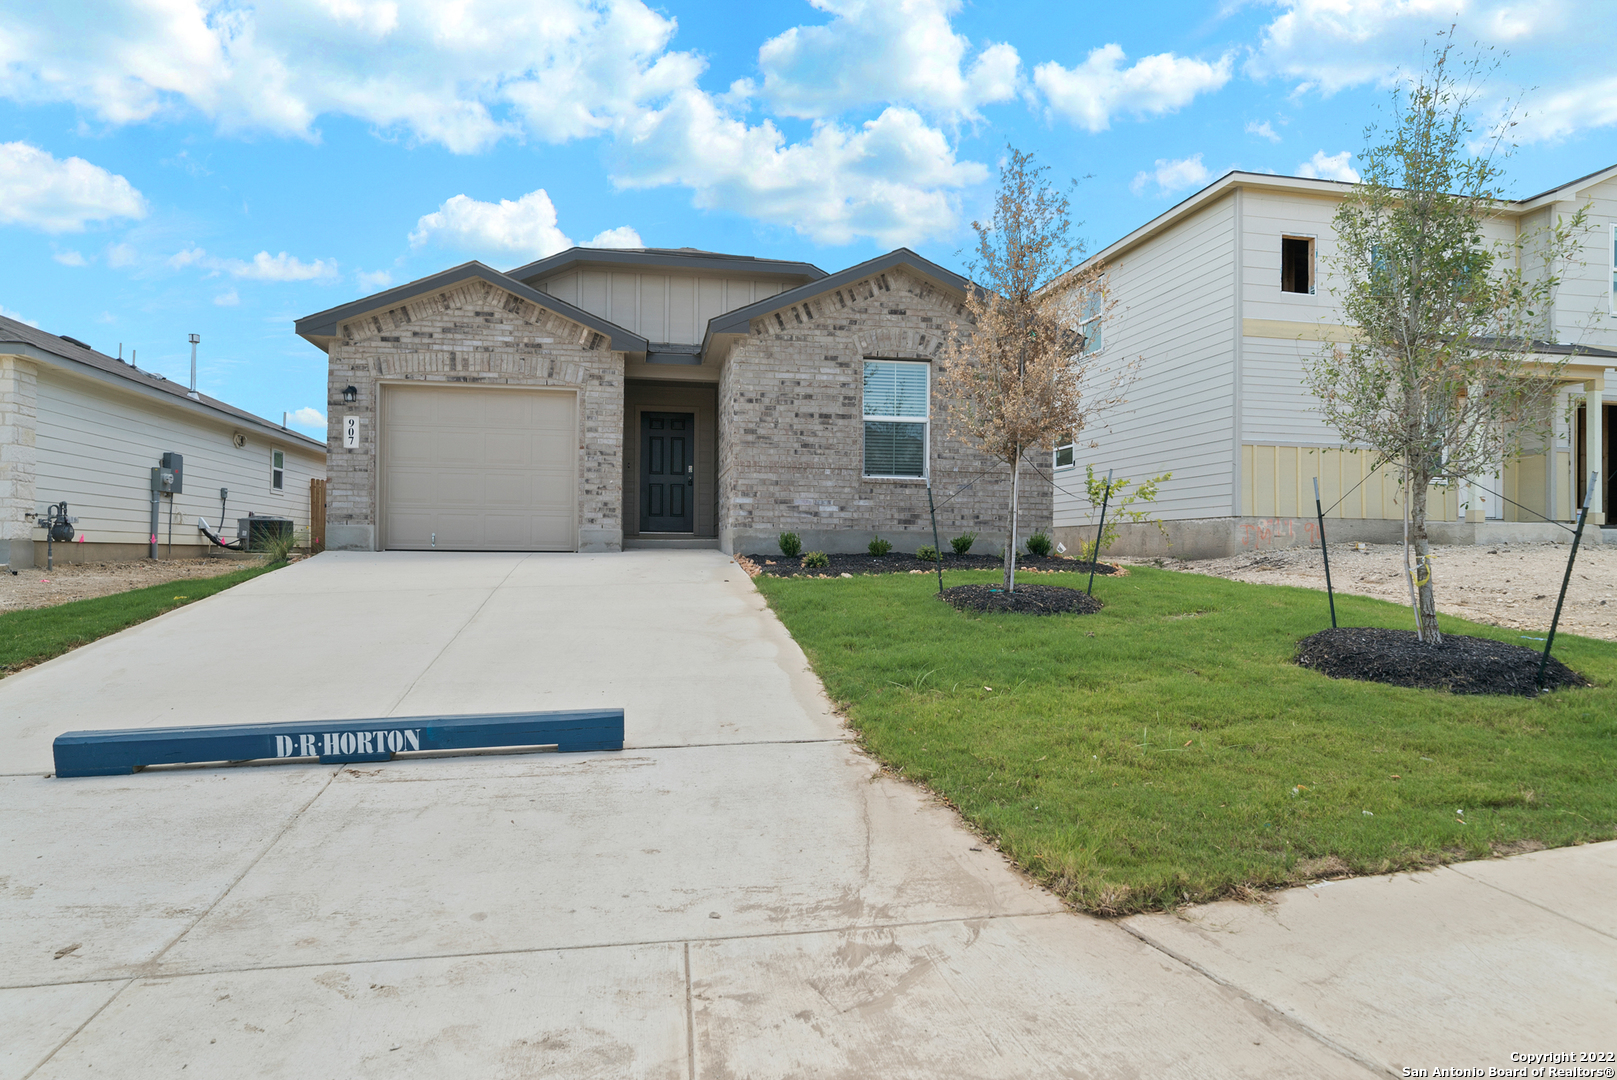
660, 307
96, 449
1175, 315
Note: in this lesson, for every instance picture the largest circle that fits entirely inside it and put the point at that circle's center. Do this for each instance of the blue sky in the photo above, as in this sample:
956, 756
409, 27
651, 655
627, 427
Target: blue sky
177, 166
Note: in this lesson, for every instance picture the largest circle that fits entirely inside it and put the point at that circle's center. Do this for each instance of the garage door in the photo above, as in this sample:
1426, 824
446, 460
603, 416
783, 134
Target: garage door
478, 469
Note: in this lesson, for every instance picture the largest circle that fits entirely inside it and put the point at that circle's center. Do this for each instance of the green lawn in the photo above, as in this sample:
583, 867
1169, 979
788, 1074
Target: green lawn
35, 635
1168, 750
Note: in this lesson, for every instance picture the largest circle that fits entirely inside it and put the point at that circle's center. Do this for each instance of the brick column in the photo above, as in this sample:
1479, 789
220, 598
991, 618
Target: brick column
19, 411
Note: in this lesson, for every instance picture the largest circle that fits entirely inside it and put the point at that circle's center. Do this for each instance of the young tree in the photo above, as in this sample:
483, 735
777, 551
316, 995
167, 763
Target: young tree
1440, 377
1013, 372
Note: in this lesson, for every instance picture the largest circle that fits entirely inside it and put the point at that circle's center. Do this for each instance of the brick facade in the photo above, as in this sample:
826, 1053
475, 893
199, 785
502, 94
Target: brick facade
791, 430
474, 333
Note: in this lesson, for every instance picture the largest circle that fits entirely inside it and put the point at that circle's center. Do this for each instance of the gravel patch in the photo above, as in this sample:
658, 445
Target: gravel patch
1027, 599
1509, 585
1460, 665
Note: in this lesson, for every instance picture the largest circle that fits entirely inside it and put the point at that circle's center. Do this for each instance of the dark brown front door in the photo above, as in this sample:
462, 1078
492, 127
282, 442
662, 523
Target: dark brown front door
667, 471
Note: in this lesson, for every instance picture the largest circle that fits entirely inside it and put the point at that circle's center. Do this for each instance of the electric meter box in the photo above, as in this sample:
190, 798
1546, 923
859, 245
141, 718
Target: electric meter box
175, 464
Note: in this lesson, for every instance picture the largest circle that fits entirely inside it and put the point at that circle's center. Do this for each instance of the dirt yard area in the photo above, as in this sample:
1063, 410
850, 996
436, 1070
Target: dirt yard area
39, 587
1512, 585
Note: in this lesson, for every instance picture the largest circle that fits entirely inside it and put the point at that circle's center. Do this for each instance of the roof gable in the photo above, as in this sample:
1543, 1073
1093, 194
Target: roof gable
321, 327
662, 259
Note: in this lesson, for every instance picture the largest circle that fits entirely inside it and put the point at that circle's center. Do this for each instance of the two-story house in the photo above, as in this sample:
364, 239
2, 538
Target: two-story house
1221, 300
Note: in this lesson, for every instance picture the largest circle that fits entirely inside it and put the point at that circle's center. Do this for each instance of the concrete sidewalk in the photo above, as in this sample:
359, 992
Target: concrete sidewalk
737, 893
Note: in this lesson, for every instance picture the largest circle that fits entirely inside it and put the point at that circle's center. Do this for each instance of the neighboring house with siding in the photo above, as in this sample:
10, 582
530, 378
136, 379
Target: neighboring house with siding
82, 427
602, 399
1222, 300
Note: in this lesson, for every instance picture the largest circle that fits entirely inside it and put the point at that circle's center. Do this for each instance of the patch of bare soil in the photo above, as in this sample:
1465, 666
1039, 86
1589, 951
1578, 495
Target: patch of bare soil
1509, 585
39, 587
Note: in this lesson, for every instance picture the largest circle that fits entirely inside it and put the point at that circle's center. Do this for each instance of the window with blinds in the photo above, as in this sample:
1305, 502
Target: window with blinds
897, 413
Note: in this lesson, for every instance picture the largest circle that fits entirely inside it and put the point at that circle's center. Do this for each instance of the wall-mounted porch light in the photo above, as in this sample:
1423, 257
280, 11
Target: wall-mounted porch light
349, 395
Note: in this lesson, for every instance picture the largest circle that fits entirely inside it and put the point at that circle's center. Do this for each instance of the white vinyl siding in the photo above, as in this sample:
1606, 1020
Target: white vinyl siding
896, 412
1175, 311
277, 471
660, 306
96, 448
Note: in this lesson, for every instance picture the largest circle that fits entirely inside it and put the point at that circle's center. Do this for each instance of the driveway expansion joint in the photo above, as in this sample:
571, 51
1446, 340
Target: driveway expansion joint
1518, 896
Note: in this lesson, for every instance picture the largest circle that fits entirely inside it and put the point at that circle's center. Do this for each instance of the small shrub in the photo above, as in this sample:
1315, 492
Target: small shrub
963, 542
816, 560
926, 553
1040, 545
791, 545
880, 547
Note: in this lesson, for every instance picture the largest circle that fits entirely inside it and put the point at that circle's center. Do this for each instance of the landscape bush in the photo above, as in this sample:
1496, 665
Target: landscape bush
1040, 544
963, 542
816, 560
879, 547
926, 553
791, 545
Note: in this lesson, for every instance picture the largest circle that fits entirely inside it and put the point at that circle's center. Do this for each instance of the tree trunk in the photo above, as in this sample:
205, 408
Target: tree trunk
1426, 603
1010, 540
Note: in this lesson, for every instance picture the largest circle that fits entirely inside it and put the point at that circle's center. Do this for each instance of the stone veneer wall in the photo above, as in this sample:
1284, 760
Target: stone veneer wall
475, 334
791, 430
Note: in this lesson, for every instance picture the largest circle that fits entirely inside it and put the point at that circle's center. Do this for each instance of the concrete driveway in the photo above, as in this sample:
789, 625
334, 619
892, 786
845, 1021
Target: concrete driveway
738, 893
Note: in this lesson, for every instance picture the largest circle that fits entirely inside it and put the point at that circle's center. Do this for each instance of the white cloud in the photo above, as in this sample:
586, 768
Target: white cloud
1172, 176
523, 229
374, 280
263, 267
70, 258
879, 52
621, 237
41, 192
1323, 166
6, 312
1265, 130
1330, 45
227, 299
1556, 114
468, 74
308, 417
1098, 89
121, 255
893, 178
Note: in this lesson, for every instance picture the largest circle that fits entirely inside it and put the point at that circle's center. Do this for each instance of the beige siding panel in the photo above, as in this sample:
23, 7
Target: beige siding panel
477, 469
1583, 300
1176, 314
625, 301
709, 301
96, 448
654, 308
593, 292
682, 325
1278, 481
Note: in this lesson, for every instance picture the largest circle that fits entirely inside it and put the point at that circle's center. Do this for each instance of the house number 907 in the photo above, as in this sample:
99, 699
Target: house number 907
350, 432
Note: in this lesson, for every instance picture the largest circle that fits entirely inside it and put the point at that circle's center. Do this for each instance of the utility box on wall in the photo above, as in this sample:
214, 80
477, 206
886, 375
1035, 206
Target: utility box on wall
174, 465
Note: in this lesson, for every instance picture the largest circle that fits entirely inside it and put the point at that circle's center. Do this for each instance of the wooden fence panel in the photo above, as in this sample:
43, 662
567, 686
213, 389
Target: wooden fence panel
317, 515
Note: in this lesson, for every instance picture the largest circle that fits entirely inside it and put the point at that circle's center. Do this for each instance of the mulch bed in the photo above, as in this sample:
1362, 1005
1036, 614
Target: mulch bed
1460, 665
1028, 599
902, 563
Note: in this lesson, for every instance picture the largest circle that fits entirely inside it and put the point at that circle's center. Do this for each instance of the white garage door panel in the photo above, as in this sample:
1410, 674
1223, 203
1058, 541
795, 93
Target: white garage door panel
483, 469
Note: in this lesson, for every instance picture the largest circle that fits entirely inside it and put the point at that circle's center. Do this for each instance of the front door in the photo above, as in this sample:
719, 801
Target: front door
667, 471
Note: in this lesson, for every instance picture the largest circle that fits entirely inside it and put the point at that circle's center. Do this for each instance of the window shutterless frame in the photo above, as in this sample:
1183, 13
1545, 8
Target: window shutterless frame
897, 419
1064, 455
277, 470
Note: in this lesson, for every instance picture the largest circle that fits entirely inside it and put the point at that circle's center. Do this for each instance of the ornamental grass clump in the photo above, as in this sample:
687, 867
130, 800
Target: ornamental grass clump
791, 545
1040, 544
963, 542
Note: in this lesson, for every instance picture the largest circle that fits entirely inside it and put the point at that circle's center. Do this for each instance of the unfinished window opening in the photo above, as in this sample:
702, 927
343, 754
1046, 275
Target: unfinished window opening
1296, 264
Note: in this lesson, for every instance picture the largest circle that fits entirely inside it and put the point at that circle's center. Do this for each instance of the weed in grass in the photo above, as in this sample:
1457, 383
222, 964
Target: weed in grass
1131, 760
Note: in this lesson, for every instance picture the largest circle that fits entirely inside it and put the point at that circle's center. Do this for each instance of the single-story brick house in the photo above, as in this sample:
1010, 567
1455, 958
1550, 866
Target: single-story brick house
602, 399
81, 427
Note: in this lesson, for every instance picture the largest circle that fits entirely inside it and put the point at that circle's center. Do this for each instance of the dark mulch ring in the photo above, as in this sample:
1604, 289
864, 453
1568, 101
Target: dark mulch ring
1460, 665
1028, 599
896, 562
